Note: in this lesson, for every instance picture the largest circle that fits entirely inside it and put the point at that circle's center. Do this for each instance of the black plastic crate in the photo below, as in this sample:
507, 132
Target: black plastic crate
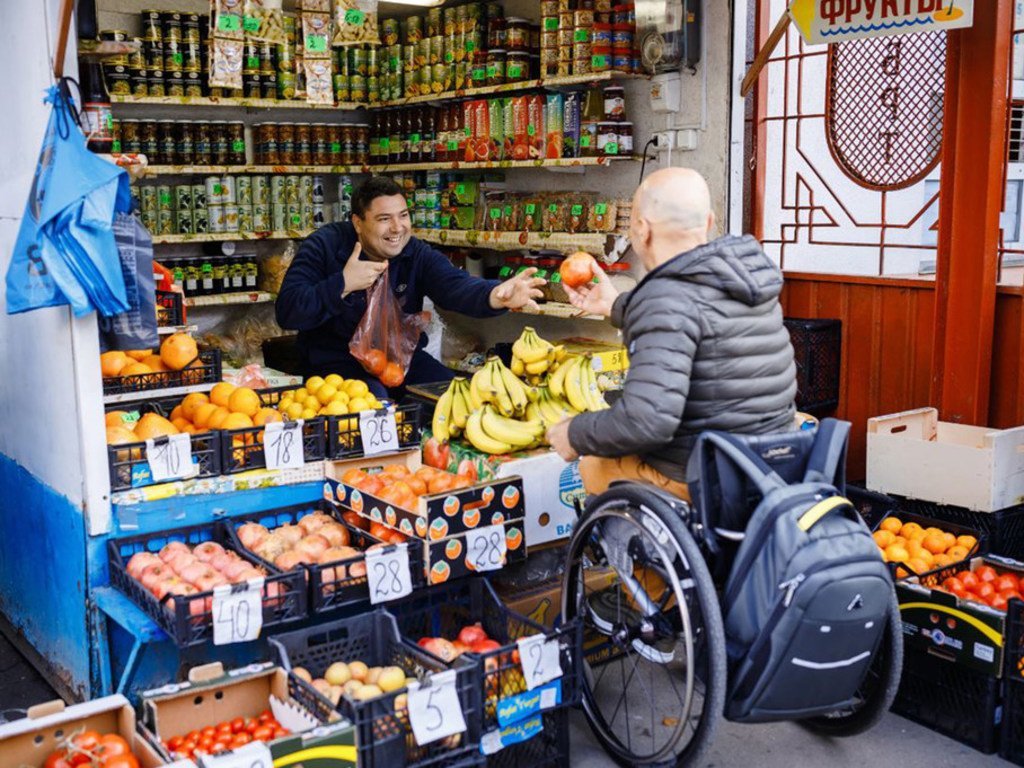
206, 370
549, 748
344, 440
130, 469
937, 575
871, 505
444, 612
328, 589
957, 702
1004, 530
383, 736
189, 621
817, 345
170, 308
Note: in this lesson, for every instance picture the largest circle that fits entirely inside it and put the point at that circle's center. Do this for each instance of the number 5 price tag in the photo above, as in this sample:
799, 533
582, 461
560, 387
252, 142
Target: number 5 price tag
282, 445
434, 709
540, 659
255, 754
170, 457
387, 572
486, 547
378, 431
237, 612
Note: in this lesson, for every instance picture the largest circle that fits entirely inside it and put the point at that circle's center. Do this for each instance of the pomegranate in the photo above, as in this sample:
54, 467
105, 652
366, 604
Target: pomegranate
139, 561
208, 550
170, 548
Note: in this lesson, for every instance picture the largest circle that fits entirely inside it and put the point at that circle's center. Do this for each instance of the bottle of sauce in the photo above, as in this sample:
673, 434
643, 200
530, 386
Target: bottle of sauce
97, 116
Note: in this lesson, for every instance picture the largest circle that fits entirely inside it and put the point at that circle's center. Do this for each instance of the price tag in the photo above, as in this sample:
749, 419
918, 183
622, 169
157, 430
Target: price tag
495, 213
229, 22
553, 207
576, 210
354, 17
434, 710
378, 432
540, 659
581, 35
531, 209
486, 547
251, 24
387, 573
551, 24
316, 43
255, 754
237, 612
282, 445
170, 457
601, 209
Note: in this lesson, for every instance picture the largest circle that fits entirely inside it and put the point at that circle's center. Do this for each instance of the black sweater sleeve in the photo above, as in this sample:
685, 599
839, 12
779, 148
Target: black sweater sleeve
455, 289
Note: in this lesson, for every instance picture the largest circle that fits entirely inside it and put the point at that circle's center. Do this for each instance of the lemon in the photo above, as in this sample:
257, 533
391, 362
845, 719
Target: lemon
356, 388
357, 404
376, 404
340, 397
313, 383
300, 395
294, 411
334, 408
334, 380
325, 392
308, 413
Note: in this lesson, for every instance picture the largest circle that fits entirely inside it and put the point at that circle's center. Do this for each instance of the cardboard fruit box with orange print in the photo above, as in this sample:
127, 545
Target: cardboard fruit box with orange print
449, 513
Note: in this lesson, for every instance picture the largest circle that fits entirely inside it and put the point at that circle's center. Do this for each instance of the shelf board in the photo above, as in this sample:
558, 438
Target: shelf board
596, 77
571, 162
225, 237
228, 102
150, 394
464, 93
596, 243
227, 299
557, 309
201, 170
167, 330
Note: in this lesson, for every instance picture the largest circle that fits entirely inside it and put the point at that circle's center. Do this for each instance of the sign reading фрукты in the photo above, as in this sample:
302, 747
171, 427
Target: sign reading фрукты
835, 21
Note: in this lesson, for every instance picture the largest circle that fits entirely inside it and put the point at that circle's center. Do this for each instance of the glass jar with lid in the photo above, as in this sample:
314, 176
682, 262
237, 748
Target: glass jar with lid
517, 34
496, 59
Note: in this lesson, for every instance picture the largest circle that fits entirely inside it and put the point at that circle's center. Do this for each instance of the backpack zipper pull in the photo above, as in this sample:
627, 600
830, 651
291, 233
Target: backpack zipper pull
791, 587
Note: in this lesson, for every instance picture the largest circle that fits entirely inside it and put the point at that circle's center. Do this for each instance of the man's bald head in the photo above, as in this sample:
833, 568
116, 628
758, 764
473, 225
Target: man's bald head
674, 197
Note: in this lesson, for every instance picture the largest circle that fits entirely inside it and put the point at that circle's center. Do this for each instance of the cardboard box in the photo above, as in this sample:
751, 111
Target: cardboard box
29, 741
441, 520
212, 696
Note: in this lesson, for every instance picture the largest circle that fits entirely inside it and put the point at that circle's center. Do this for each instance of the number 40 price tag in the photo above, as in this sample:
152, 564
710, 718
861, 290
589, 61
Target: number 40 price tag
486, 547
434, 710
540, 659
255, 754
170, 457
282, 445
237, 613
387, 573
378, 431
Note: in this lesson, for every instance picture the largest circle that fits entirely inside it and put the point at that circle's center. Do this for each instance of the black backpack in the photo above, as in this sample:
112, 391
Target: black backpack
806, 600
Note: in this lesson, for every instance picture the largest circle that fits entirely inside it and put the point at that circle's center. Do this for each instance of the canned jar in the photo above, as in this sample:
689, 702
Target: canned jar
152, 29
614, 103
303, 150
517, 67
608, 138
243, 190
260, 190
228, 190
517, 34
496, 58
214, 191
198, 196
236, 143
167, 143
320, 152
286, 143
184, 149
130, 137
413, 29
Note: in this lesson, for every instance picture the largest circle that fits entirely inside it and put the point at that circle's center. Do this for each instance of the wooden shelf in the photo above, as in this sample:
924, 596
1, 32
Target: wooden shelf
596, 243
227, 299
556, 309
152, 394
202, 170
167, 330
571, 162
227, 237
465, 93
596, 77
228, 103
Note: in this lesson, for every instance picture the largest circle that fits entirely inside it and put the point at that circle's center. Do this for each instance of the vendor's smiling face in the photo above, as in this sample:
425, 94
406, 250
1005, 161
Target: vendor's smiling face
385, 228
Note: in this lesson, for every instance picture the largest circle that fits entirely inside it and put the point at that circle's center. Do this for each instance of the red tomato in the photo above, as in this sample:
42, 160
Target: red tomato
279, 732
192, 736
240, 739
112, 745
1005, 582
986, 573
218, 747
969, 579
208, 731
122, 761
266, 716
998, 602
174, 742
1021, 584
985, 590
952, 584
436, 455
577, 269
485, 646
1010, 594
263, 733
57, 760
472, 634
85, 742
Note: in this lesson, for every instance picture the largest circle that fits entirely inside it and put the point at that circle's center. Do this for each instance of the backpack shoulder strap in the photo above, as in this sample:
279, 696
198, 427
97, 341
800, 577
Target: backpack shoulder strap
828, 450
752, 465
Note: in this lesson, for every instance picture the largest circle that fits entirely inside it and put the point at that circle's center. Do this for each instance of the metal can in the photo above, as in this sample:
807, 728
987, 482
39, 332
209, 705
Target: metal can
245, 218
291, 188
317, 191
357, 87
227, 184
149, 220
285, 85
164, 198
260, 190
215, 215
319, 218
183, 222
174, 84
293, 218
268, 86
183, 197
198, 196
152, 28
200, 220
306, 208
306, 189
193, 84
156, 83
413, 29
214, 192
357, 61
278, 190
279, 216
164, 222
230, 217
389, 29
261, 218
341, 90
147, 198
373, 89
243, 190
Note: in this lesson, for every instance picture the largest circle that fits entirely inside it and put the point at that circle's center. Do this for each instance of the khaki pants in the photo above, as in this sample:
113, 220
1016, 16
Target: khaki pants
598, 473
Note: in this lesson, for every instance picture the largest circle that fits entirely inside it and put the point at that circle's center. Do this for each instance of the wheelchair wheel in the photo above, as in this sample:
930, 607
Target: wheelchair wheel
654, 648
876, 693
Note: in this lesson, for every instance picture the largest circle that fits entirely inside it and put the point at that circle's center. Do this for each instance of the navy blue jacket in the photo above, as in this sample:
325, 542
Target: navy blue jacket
310, 298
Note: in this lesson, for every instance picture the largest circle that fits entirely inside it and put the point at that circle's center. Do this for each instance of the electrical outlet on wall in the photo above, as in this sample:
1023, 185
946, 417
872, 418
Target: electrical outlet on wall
686, 139
664, 140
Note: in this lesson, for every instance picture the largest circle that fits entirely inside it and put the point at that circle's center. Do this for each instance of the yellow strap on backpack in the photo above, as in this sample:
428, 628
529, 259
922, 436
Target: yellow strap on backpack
818, 511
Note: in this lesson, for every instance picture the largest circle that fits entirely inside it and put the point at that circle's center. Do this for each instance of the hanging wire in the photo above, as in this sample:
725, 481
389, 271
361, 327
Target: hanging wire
643, 165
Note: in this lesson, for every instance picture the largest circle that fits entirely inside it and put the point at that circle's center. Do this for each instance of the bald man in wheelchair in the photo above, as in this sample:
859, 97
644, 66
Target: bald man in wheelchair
707, 347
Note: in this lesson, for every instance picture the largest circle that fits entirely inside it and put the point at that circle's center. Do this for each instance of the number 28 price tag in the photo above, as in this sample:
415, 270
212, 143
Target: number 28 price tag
387, 573
540, 659
237, 613
378, 431
282, 445
170, 457
486, 547
434, 710
255, 754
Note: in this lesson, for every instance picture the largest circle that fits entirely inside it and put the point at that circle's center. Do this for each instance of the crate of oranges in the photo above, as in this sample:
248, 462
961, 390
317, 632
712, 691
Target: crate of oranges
916, 546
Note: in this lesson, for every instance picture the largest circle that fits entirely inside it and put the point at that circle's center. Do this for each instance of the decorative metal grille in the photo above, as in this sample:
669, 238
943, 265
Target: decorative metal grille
1015, 140
883, 108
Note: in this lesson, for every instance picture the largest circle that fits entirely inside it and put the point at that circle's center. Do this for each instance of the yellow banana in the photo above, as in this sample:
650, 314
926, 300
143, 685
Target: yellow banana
532, 393
515, 388
442, 416
533, 413
509, 431
574, 386
529, 347
480, 439
537, 368
518, 366
460, 405
591, 393
556, 381
480, 388
560, 353
502, 400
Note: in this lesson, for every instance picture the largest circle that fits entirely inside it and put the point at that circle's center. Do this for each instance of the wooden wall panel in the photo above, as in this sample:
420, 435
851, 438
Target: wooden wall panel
1006, 401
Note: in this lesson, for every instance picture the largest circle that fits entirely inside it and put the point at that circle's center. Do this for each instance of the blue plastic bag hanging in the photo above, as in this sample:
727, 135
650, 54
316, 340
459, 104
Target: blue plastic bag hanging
66, 252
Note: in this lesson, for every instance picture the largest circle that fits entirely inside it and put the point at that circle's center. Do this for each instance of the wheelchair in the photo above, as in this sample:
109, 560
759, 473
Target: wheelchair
644, 574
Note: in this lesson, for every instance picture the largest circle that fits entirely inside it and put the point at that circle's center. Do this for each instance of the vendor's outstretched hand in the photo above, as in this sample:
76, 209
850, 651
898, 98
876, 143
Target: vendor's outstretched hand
518, 292
594, 298
558, 438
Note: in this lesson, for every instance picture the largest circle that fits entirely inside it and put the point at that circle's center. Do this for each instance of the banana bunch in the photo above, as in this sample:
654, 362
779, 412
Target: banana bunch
548, 409
496, 384
452, 411
533, 357
490, 432
576, 382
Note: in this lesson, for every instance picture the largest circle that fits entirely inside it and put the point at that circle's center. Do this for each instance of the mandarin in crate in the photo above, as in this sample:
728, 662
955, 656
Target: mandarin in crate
156, 363
217, 417
935, 543
243, 400
883, 538
202, 413
892, 524
115, 418
958, 552
221, 393
191, 403
152, 425
112, 362
265, 416
136, 369
178, 350
967, 542
896, 553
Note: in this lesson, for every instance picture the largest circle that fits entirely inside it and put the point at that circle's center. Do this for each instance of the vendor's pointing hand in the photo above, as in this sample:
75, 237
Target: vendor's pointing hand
518, 292
360, 274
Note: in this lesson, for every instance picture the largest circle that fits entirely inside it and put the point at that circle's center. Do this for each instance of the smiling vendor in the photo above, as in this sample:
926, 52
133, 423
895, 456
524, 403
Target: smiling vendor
323, 295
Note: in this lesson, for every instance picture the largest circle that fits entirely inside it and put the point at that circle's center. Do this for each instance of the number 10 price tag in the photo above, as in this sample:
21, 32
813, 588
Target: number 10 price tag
387, 573
237, 612
255, 754
379, 432
540, 659
434, 710
282, 445
170, 457
486, 547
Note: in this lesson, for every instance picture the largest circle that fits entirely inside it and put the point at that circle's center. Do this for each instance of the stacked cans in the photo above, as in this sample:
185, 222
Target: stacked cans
297, 202
169, 62
423, 191
178, 209
586, 39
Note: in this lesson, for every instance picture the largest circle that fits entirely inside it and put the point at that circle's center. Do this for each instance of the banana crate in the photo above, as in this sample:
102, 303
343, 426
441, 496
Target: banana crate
460, 528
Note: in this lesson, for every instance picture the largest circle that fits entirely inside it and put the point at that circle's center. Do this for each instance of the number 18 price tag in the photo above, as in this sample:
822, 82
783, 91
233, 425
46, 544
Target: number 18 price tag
255, 754
540, 659
282, 445
237, 612
378, 431
434, 710
486, 547
170, 457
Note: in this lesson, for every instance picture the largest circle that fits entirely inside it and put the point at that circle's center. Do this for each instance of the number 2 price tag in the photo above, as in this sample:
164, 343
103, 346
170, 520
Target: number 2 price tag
255, 754
540, 659
170, 457
486, 547
282, 445
237, 612
387, 573
378, 431
434, 710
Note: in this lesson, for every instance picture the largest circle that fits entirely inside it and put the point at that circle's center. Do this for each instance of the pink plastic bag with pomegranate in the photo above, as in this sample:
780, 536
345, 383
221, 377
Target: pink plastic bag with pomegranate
386, 337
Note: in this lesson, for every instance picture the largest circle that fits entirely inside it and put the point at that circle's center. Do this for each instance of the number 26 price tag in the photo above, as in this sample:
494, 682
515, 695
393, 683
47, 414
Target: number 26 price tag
387, 573
170, 457
237, 613
434, 710
378, 431
486, 547
540, 659
282, 445
255, 754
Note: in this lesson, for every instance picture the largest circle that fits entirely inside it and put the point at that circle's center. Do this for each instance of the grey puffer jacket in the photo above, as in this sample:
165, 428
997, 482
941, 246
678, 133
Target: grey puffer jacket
707, 350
